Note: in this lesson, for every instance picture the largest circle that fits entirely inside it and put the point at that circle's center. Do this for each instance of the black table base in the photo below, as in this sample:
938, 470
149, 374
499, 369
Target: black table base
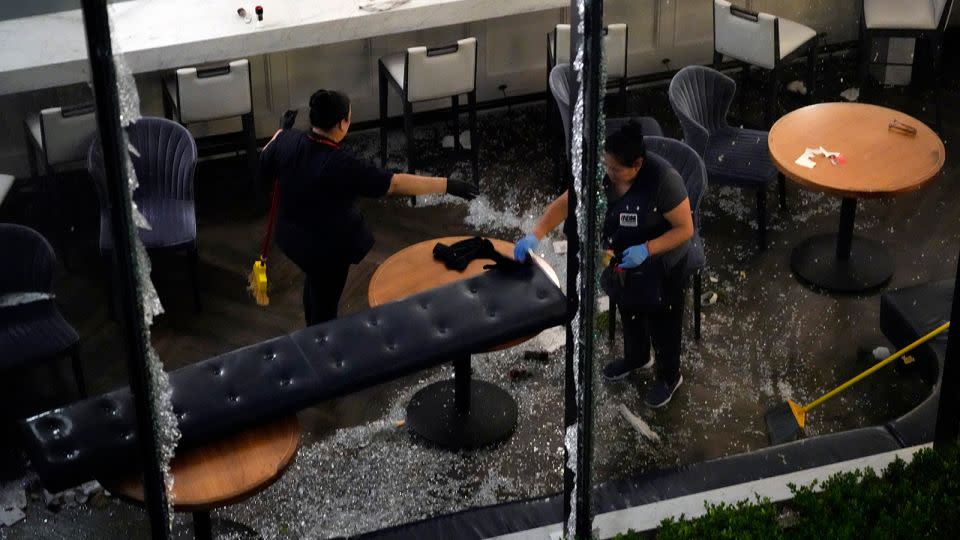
204, 526
842, 262
462, 414
815, 261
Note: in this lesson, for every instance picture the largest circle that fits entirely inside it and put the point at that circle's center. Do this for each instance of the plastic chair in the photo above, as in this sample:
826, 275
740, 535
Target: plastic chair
424, 74
763, 40
701, 98
917, 19
32, 331
165, 171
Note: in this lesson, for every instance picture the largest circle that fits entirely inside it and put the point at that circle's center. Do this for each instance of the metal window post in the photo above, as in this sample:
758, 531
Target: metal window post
133, 329
578, 402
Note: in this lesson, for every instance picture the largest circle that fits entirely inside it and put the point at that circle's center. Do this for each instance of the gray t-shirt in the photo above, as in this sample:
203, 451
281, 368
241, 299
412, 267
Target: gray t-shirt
668, 193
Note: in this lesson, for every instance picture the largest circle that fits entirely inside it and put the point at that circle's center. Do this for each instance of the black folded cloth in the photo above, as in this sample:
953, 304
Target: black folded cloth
460, 254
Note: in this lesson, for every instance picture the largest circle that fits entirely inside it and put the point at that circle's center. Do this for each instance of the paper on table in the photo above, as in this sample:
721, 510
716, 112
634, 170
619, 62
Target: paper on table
806, 159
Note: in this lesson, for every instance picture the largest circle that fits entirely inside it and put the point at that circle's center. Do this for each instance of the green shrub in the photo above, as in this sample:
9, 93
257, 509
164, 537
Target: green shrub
916, 500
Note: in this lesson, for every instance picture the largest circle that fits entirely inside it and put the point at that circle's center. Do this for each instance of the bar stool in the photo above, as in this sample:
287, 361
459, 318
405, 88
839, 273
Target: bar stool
201, 94
615, 42
922, 19
57, 142
423, 74
762, 40
58, 138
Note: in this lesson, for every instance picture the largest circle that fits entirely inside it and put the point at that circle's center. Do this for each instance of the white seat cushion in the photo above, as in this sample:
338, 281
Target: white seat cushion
5, 182
395, 64
900, 14
793, 36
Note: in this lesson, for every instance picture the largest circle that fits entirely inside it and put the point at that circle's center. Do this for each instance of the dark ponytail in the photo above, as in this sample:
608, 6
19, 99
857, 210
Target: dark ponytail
626, 144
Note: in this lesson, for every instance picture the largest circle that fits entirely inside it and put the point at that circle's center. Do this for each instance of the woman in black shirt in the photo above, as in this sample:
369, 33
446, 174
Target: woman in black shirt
318, 225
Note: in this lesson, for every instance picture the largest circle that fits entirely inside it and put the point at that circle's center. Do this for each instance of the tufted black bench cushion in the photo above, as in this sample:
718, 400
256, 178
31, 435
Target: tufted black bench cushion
906, 315
261, 382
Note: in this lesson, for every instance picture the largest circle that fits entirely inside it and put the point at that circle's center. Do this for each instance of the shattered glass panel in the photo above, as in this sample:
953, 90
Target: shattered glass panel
166, 429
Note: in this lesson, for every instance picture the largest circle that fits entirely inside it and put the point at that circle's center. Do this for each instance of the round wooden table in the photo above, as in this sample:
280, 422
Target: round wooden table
223, 472
880, 163
461, 413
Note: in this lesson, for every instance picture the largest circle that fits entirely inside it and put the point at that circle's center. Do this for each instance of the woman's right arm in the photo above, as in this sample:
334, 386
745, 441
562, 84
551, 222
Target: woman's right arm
552, 217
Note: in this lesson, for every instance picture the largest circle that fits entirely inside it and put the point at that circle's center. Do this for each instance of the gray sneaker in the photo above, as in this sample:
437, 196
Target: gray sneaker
661, 392
618, 369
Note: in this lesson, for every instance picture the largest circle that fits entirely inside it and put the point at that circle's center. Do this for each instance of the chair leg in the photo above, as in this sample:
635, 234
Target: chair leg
474, 137
253, 163
782, 189
866, 44
762, 218
697, 307
383, 117
623, 96
937, 45
771, 109
167, 106
31, 152
194, 256
408, 129
717, 60
812, 71
78, 371
455, 106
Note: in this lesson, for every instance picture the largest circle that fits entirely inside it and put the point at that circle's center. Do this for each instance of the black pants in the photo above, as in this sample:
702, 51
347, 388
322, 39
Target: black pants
664, 328
321, 292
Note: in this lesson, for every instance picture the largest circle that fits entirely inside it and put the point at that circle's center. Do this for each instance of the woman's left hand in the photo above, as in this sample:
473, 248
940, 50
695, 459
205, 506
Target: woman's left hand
634, 256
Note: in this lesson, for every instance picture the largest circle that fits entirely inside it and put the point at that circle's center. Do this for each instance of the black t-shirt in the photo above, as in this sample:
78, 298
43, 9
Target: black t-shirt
319, 184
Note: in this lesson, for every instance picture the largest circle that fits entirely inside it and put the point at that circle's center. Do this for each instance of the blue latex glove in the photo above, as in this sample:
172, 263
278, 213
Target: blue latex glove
634, 256
527, 242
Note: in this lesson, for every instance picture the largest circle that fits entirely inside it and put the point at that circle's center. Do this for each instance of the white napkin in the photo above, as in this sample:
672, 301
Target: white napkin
806, 159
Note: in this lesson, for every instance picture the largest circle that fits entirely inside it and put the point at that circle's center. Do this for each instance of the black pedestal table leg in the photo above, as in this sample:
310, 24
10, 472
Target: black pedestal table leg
461, 376
848, 212
202, 529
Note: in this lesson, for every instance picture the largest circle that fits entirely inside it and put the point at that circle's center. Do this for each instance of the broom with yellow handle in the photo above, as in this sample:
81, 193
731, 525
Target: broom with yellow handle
786, 421
257, 279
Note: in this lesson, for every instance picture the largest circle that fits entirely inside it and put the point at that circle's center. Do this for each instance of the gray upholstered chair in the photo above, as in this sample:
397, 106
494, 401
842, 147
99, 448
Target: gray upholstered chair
917, 19
423, 74
762, 40
165, 169
701, 98
32, 331
561, 82
213, 92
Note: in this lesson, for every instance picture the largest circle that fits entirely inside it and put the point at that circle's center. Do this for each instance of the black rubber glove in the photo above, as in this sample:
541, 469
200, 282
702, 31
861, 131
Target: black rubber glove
288, 119
464, 190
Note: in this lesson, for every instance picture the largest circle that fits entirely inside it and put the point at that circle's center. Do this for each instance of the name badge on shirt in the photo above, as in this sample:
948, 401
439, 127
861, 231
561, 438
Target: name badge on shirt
628, 220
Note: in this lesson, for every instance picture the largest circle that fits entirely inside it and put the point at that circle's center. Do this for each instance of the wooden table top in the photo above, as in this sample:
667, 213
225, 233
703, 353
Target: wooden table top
226, 471
413, 269
879, 162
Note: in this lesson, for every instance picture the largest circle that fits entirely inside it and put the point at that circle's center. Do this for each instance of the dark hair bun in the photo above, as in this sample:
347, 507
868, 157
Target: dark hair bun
633, 129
